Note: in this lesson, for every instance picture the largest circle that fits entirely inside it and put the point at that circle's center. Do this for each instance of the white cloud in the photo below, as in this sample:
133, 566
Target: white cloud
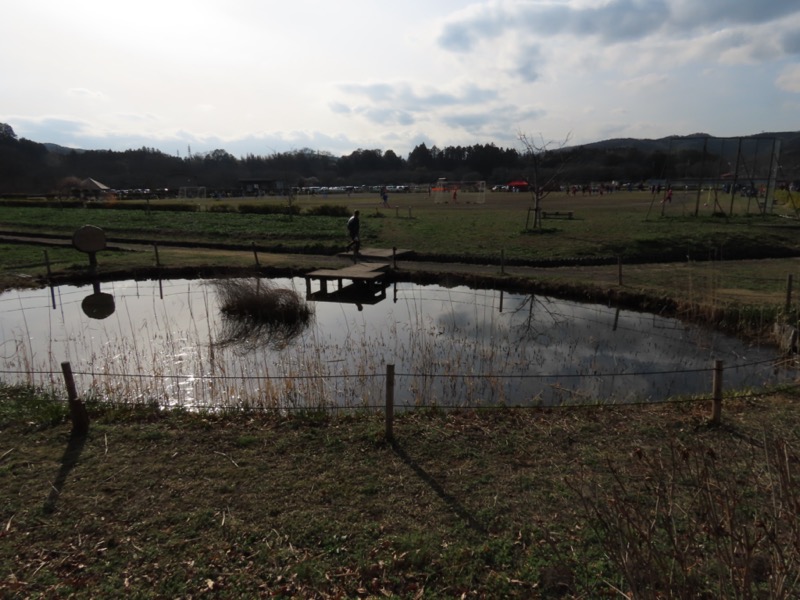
644, 83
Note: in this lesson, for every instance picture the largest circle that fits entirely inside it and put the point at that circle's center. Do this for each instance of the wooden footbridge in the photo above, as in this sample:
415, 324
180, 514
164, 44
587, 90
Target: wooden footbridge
368, 280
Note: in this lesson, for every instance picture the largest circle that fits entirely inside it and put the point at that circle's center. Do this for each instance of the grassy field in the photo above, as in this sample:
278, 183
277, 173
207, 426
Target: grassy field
630, 224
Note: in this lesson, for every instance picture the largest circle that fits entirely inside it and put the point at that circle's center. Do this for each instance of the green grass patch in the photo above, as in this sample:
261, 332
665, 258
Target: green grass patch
623, 224
20, 404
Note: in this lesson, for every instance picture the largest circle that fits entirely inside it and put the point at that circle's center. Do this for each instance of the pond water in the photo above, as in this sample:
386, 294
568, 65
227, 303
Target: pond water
156, 341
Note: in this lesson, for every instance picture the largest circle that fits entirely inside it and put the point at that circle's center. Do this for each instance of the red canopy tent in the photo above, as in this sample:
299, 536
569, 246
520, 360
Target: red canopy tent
520, 185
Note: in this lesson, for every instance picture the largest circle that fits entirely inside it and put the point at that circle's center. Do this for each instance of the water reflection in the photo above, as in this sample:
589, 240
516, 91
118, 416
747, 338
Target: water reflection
450, 346
97, 305
358, 293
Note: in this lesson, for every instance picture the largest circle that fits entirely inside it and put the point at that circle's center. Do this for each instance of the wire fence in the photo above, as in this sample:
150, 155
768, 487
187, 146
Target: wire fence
104, 380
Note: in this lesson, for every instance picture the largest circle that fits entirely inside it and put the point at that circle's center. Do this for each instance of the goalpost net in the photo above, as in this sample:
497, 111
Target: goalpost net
459, 192
192, 192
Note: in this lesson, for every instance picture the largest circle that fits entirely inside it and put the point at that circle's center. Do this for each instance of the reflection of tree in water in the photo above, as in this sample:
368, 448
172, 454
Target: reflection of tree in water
529, 328
256, 314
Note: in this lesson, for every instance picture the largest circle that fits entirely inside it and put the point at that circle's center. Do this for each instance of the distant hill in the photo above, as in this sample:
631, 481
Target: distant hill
56, 149
790, 143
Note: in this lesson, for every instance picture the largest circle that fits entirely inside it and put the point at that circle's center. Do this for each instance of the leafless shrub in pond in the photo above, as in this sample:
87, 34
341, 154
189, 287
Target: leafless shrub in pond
257, 314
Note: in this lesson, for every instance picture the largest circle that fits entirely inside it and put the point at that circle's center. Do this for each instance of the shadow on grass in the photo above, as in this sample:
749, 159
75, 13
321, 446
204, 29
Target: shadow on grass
448, 499
68, 462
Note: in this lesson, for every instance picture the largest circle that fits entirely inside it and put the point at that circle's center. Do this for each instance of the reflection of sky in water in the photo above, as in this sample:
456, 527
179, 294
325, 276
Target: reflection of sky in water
534, 349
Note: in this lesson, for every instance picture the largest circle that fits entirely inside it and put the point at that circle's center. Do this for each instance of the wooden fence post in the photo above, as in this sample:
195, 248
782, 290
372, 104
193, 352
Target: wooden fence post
394, 257
255, 254
155, 250
716, 403
77, 410
389, 402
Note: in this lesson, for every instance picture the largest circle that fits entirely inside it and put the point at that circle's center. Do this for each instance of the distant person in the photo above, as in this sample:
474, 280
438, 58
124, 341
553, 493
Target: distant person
455, 196
354, 230
385, 197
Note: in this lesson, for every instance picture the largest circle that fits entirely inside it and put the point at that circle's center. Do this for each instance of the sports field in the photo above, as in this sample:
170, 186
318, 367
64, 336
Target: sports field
619, 224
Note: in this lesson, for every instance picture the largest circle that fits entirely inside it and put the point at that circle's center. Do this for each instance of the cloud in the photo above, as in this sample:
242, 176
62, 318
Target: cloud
400, 105
643, 83
612, 21
275, 142
76, 133
791, 42
465, 30
619, 20
386, 115
496, 122
376, 92
473, 121
719, 14
59, 130
789, 79
83, 93
339, 108
528, 64
734, 32
403, 96
459, 72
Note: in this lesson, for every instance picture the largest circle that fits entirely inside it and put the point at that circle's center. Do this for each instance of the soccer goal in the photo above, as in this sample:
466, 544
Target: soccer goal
192, 192
459, 192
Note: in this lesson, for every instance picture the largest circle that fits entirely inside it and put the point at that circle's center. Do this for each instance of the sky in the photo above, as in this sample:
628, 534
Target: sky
264, 76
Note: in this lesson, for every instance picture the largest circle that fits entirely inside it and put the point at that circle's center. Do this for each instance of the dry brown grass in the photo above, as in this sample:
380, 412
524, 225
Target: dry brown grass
258, 313
501, 503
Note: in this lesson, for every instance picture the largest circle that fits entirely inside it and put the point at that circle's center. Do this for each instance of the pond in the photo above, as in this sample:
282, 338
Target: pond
158, 342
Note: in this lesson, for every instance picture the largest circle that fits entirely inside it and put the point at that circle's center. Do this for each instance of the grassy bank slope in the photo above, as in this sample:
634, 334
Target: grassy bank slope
564, 503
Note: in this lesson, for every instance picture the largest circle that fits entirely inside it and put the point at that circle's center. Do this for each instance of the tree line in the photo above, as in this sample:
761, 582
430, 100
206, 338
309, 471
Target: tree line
28, 167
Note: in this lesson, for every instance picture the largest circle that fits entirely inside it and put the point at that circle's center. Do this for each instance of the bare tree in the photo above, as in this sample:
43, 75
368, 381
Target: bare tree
66, 186
545, 168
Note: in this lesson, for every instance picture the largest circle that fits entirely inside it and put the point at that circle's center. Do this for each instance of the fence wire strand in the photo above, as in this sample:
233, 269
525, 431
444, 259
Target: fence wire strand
423, 374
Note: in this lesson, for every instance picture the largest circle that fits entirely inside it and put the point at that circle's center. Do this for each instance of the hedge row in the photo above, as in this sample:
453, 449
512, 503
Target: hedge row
326, 210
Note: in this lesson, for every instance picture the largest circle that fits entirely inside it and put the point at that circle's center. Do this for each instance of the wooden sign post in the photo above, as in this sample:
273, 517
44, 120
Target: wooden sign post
91, 240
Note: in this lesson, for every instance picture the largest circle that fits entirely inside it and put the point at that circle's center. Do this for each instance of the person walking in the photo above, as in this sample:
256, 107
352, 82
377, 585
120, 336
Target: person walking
384, 196
354, 230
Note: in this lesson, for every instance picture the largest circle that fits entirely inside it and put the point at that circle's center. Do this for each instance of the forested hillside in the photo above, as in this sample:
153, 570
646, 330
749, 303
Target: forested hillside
28, 167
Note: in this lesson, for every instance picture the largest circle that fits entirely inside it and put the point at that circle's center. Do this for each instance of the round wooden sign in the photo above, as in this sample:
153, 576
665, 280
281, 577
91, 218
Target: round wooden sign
89, 239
